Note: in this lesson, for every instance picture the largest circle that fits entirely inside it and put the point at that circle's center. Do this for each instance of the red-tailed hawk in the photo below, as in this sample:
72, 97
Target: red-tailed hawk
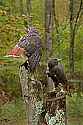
30, 45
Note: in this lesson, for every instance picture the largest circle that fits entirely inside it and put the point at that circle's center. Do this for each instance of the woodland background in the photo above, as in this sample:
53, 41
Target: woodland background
14, 15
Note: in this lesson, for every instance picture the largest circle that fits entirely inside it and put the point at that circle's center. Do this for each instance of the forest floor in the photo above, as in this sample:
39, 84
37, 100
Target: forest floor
12, 109
71, 121
75, 121
13, 113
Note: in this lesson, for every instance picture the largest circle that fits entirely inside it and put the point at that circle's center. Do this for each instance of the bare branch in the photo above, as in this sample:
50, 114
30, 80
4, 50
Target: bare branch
57, 98
54, 15
78, 14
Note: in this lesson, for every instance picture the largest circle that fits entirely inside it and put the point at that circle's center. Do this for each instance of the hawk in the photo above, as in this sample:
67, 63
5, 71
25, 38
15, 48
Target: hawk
56, 72
30, 45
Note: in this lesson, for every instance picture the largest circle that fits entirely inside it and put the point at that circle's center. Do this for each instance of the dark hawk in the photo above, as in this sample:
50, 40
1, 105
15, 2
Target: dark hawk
56, 72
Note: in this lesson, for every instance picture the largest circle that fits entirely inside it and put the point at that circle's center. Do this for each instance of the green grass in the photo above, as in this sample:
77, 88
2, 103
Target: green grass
75, 121
13, 112
75, 109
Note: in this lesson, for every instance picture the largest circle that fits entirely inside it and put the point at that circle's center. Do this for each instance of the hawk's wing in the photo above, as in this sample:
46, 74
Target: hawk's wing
34, 60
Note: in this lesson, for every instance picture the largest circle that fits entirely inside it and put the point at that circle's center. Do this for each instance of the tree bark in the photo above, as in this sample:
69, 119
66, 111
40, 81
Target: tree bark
28, 3
48, 26
21, 7
12, 7
27, 95
55, 20
73, 25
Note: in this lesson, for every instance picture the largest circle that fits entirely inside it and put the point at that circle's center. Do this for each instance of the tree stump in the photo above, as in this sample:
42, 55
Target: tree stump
27, 93
31, 89
55, 104
43, 108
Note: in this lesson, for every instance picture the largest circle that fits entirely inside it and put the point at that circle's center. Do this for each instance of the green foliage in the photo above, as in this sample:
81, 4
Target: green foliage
75, 105
61, 43
61, 48
14, 110
75, 109
11, 81
11, 29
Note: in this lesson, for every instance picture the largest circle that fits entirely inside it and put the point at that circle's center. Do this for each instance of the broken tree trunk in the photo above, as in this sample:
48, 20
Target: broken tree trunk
55, 104
27, 93
31, 90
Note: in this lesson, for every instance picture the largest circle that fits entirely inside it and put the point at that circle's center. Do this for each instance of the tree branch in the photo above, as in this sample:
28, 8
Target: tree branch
78, 14
53, 7
54, 15
57, 98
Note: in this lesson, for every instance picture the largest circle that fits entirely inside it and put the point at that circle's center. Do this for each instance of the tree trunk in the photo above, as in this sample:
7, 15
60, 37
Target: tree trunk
28, 4
12, 7
48, 26
71, 49
21, 7
73, 25
27, 96
55, 20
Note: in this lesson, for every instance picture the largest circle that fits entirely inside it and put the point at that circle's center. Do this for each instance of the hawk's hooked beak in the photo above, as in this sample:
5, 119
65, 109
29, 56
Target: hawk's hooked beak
16, 52
59, 60
47, 70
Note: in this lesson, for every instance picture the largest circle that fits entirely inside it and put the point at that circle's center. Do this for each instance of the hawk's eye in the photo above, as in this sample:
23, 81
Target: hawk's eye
27, 61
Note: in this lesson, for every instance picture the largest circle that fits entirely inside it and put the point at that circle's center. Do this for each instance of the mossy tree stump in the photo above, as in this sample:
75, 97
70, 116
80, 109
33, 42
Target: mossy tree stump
42, 105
